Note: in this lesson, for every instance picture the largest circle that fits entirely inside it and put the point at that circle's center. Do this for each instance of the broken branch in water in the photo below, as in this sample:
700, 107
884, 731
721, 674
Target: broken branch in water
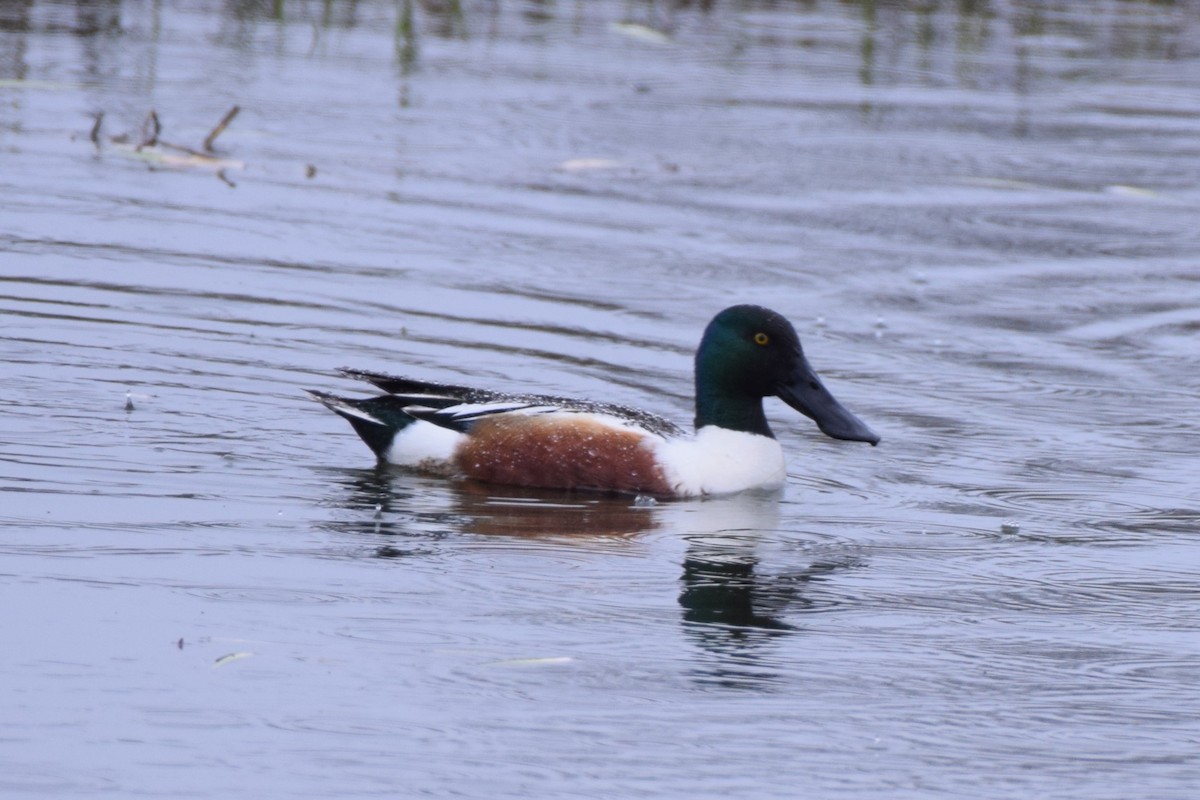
95, 134
220, 128
151, 128
156, 151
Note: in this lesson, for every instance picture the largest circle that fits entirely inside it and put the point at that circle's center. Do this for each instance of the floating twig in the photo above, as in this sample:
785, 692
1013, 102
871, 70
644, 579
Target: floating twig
151, 128
220, 128
95, 134
238, 656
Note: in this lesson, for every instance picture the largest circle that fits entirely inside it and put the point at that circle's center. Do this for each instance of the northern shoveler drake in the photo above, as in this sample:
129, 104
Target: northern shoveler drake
747, 353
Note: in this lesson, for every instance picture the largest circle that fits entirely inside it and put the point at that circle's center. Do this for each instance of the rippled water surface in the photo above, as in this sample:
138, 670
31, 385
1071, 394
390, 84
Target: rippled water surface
981, 216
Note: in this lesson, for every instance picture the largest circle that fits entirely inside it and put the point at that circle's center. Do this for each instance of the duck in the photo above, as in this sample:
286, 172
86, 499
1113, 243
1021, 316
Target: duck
747, 353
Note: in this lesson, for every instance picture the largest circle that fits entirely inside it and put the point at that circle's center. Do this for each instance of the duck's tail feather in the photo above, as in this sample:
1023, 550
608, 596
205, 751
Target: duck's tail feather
396, 384
376, 420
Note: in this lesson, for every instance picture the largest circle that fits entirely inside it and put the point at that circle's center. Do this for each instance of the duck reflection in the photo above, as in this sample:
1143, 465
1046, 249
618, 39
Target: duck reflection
721, 587
735, 608
404, 504
737, 594
734, 611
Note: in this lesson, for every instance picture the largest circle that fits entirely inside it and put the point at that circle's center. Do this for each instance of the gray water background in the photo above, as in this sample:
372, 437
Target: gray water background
981, 216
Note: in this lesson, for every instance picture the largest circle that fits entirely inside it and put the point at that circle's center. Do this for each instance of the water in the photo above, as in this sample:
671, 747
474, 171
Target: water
980, 216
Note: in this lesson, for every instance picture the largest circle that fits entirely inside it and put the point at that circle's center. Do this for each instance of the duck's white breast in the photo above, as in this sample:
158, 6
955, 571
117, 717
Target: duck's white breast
720, 461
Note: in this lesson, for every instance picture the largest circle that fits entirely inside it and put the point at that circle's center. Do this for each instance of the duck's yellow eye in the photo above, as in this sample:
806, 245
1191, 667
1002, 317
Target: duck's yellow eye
761, 338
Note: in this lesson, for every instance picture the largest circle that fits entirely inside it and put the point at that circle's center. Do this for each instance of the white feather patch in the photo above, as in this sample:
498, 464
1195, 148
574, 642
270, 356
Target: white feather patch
349, 410
720, 461
425, 446
463, 410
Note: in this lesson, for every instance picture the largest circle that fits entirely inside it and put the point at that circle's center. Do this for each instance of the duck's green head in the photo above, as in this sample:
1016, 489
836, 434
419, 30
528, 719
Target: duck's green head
750, 352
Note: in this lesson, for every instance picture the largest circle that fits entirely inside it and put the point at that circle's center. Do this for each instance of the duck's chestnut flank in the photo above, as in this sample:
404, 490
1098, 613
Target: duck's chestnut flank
568, 451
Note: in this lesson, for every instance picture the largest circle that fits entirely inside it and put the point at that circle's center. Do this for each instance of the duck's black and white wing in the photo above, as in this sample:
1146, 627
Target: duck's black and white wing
461, 407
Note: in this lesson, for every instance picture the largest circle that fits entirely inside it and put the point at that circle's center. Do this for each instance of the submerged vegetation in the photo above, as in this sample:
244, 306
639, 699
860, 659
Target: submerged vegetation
869, 28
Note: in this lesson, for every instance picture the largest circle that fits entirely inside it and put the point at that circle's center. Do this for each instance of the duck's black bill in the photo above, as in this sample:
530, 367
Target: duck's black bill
805, 393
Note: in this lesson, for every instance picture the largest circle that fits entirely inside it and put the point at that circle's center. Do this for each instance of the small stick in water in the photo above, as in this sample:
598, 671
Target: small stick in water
151, 128
95, 134
221, 126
